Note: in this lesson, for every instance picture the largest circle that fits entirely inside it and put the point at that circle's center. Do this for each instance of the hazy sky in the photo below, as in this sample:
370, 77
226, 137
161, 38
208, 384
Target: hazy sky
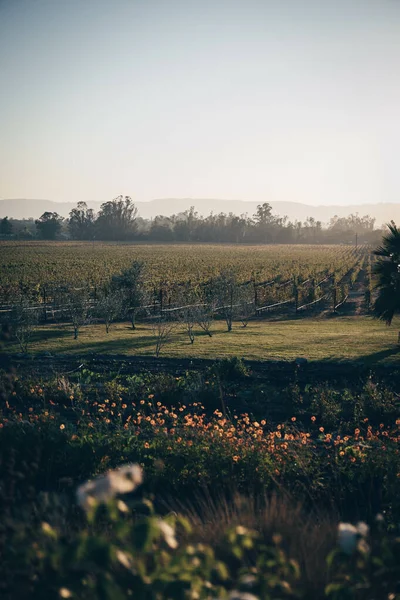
252, 99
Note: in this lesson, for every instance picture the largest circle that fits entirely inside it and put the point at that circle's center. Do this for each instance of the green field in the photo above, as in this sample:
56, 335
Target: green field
336, 338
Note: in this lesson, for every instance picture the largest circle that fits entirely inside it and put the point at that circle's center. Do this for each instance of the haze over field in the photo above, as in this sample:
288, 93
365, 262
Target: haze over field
383, 213
261, 100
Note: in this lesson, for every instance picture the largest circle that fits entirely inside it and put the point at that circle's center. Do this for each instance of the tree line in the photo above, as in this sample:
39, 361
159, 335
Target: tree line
118, 220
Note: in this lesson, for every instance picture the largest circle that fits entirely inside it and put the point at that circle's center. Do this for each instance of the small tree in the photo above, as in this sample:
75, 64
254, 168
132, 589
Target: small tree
23, 320
162, 331
109, 307
205, 318
226, 294
246, 307
188, 316
77, 309
132, 286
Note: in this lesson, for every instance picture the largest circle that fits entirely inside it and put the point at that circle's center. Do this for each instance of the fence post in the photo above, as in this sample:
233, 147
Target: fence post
44, 304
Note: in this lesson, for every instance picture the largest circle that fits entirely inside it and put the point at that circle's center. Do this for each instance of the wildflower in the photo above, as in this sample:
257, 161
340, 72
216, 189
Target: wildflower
321, 429
313, 419
151, 396
235, 458
65, 593
104, 488
293, 419
146, 445
62, 426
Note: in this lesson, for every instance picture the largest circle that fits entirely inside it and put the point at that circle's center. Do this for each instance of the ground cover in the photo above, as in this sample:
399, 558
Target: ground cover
260, 501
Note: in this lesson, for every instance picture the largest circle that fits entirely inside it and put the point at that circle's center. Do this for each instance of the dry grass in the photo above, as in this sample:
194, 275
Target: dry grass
308, 538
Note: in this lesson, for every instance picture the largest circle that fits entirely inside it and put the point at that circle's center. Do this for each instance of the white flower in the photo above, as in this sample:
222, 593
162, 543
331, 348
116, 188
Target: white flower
168, 533
347, 537
104, 488
362, 528
124, 559
236, 595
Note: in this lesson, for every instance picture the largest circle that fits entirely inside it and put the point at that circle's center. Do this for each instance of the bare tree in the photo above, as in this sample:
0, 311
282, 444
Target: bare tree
109, 307
188, 299
77, 308
162, 331
188, 317
225, 291
205, 317
246, 308
23, 320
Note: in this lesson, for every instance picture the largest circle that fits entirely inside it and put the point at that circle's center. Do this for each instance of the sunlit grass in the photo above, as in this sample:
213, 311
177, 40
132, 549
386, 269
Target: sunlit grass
341, 338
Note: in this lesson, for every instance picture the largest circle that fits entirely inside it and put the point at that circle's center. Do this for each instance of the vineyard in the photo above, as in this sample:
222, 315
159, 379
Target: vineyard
275, 274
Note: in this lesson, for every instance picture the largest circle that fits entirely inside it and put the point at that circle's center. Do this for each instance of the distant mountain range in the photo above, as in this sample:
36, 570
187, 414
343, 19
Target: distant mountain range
384, 212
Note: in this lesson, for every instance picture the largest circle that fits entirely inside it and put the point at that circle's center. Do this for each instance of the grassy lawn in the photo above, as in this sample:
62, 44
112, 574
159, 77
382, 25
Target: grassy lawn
340, 338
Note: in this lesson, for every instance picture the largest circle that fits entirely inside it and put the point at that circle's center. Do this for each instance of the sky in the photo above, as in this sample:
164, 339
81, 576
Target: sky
284, 100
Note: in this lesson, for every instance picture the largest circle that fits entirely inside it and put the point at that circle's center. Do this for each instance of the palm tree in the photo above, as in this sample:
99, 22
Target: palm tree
387, 272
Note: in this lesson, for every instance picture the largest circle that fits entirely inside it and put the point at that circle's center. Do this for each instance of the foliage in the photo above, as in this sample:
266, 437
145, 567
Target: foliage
23, 319
57, 433
49, 225
81, 223
116, 219
130, 283
6, 227
387, 271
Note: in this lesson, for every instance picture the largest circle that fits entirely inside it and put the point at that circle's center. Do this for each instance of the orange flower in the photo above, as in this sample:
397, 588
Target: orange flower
62, 426
313, 419
293, 419
235, 458
146, 445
